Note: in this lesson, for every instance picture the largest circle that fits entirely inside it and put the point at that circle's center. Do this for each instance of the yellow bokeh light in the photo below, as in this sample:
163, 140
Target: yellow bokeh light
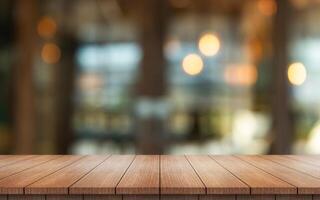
50, 53
209, 44
47, 27
297, 73
192, 64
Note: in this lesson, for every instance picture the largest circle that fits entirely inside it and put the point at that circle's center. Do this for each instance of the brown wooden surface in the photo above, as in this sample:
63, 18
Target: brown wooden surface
60, 181
216, 178
104, 178
178, 177
130, 177
295, 164
142, 176
15, 184
259, 181
7, 160
308, 159
306, 184
17, 167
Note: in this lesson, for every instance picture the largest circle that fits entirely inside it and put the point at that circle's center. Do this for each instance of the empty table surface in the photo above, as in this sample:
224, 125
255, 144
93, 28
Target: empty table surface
159, 177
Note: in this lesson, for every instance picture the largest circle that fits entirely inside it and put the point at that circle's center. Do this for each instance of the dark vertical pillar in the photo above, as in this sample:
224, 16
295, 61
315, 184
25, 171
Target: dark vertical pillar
65, 78
23, 106
151, 83
282, 127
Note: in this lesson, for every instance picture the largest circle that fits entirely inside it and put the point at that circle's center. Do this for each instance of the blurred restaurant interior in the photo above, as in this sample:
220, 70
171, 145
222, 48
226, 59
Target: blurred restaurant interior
159, 76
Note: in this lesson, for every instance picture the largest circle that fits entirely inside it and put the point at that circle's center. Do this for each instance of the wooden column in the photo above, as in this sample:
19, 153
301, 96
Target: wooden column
64, 80
23, 94
282, 124
151, 82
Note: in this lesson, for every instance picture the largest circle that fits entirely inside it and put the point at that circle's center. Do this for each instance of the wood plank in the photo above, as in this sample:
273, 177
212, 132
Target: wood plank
64, 197
179, 197
294, 197
217, 179
178, 177
15, 184
256, 197
24, 164
294, 164
26, 197
305, 184
3, 197
102, 197
141, 197
259, 181
217, 197
60, 181
7, 160
310, 159
142, 177
104, 178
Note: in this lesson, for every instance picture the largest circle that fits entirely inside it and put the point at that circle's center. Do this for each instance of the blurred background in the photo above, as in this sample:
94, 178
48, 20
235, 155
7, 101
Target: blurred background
159, 76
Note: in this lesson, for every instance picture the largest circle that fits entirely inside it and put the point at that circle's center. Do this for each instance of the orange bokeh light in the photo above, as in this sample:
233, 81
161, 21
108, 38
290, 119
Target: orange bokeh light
241, 75
267, 7
50, 53
47, 27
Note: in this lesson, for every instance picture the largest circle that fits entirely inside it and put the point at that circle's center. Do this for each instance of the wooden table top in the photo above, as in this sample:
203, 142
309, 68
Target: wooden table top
159, 175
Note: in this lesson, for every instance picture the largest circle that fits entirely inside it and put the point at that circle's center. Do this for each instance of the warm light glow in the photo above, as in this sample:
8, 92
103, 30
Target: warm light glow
192, 64
50, 53
254, 50
90, 81
297, 73
47, 27
209, 44
267, 7
242, 75
314, 139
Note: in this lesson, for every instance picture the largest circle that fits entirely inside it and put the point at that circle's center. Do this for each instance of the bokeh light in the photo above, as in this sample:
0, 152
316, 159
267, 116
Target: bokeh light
192, 64
50, 53
47, 27
209, 44
241, 75
267, 7
297, 73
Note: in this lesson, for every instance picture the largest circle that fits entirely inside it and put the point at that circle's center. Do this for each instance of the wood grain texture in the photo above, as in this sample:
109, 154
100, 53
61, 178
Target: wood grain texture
60, 181
217, 179
26, 197
178, 177
104, 178
179, 197
141, 197
159, 177
259, 181
294, 197
305, 184
102, 197
217, 197
64, 197
295, 164
15, 184
7, 160
310, 159
24, 164
142, 177
256, 197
